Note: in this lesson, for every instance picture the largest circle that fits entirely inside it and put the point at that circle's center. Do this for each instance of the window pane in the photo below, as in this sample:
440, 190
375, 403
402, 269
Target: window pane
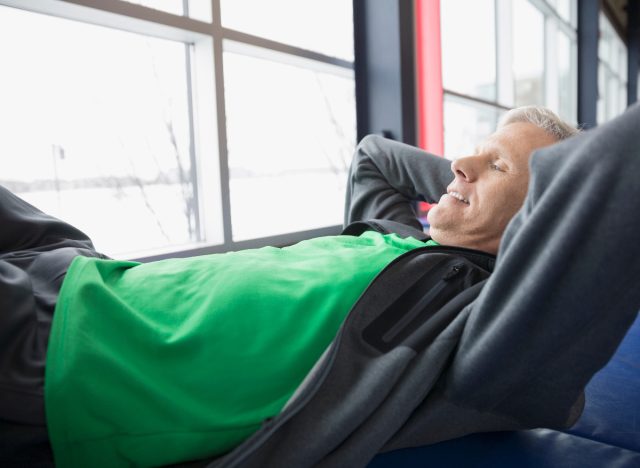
602, 77
528, 54
612, 72
567, 88
170, 6
613, 100
622, 96
197, 9
97, 130
605, 41
622, 60
469, 47
324, 26
614, 59
563, 8
291, 136
466, 123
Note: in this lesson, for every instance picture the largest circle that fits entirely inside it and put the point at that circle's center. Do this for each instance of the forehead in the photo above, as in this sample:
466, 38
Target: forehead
515, 142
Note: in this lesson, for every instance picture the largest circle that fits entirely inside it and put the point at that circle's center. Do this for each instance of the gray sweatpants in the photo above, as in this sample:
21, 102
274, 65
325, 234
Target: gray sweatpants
35, 252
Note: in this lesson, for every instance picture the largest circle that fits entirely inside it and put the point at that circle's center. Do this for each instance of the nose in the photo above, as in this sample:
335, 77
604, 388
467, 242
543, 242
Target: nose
465, 168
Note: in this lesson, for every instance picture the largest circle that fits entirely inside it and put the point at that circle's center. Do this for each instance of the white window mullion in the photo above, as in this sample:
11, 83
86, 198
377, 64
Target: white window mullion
574, 14
206, 142
504, 58
120, 15
574, 79
551, 88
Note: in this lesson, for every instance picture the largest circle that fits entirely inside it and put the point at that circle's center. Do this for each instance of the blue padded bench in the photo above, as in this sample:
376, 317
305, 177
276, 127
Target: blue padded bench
606, 435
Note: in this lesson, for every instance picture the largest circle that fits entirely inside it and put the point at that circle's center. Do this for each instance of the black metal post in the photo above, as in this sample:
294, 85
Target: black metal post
384, 69
587, 62
633, 43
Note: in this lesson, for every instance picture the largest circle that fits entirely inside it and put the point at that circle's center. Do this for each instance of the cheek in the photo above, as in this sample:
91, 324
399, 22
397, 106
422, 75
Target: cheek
513, 201
501, 202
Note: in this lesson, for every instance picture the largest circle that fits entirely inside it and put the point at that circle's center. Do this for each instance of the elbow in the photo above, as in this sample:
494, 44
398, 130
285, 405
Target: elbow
369, 141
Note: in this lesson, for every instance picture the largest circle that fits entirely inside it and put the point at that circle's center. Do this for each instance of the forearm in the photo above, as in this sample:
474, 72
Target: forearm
386, 177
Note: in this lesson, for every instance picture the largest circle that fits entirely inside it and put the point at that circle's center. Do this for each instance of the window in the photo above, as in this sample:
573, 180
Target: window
99, 130
469, 64
155, 128
466, 123
612, 72
566, 9
545, 55
197, 9
468, 73
324, 26
291, 174
528, 54
566, 89
501, 54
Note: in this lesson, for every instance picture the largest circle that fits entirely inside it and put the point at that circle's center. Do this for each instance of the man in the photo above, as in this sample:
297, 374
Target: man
117, 357
487, 190
560, 300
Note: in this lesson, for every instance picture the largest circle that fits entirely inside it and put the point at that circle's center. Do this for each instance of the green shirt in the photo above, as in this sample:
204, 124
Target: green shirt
181, 359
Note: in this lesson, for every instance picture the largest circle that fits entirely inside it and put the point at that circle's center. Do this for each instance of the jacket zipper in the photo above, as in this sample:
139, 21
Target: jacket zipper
422, 303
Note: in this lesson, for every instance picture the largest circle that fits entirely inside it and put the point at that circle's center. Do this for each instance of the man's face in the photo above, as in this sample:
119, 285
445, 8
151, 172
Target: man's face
488, 189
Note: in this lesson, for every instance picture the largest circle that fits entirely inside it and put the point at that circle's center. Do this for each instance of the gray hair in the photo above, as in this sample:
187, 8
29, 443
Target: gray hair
540, 117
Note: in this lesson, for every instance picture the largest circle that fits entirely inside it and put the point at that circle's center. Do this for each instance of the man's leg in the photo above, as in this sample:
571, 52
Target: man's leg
565, 289
24, 445
25, 227
35, 251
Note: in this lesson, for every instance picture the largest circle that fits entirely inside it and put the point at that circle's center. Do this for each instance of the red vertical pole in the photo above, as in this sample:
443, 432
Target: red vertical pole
429, 82
429, 76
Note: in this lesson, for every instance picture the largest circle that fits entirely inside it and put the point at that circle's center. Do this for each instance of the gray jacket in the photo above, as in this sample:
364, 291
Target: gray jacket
519, 356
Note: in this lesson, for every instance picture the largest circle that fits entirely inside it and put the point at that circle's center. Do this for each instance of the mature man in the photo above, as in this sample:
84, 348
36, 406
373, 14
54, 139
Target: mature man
184, 359
487, 190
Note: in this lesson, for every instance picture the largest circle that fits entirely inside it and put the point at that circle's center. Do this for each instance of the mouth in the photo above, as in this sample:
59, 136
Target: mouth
457, 196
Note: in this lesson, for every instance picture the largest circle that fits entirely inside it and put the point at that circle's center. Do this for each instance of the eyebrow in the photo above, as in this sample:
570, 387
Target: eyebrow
496, 150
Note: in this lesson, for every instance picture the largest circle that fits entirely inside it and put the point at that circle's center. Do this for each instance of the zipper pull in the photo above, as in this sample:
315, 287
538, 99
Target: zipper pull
455, 271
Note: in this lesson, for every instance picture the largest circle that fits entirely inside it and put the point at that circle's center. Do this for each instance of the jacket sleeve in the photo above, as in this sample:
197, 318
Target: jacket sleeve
387, 176
565, 288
